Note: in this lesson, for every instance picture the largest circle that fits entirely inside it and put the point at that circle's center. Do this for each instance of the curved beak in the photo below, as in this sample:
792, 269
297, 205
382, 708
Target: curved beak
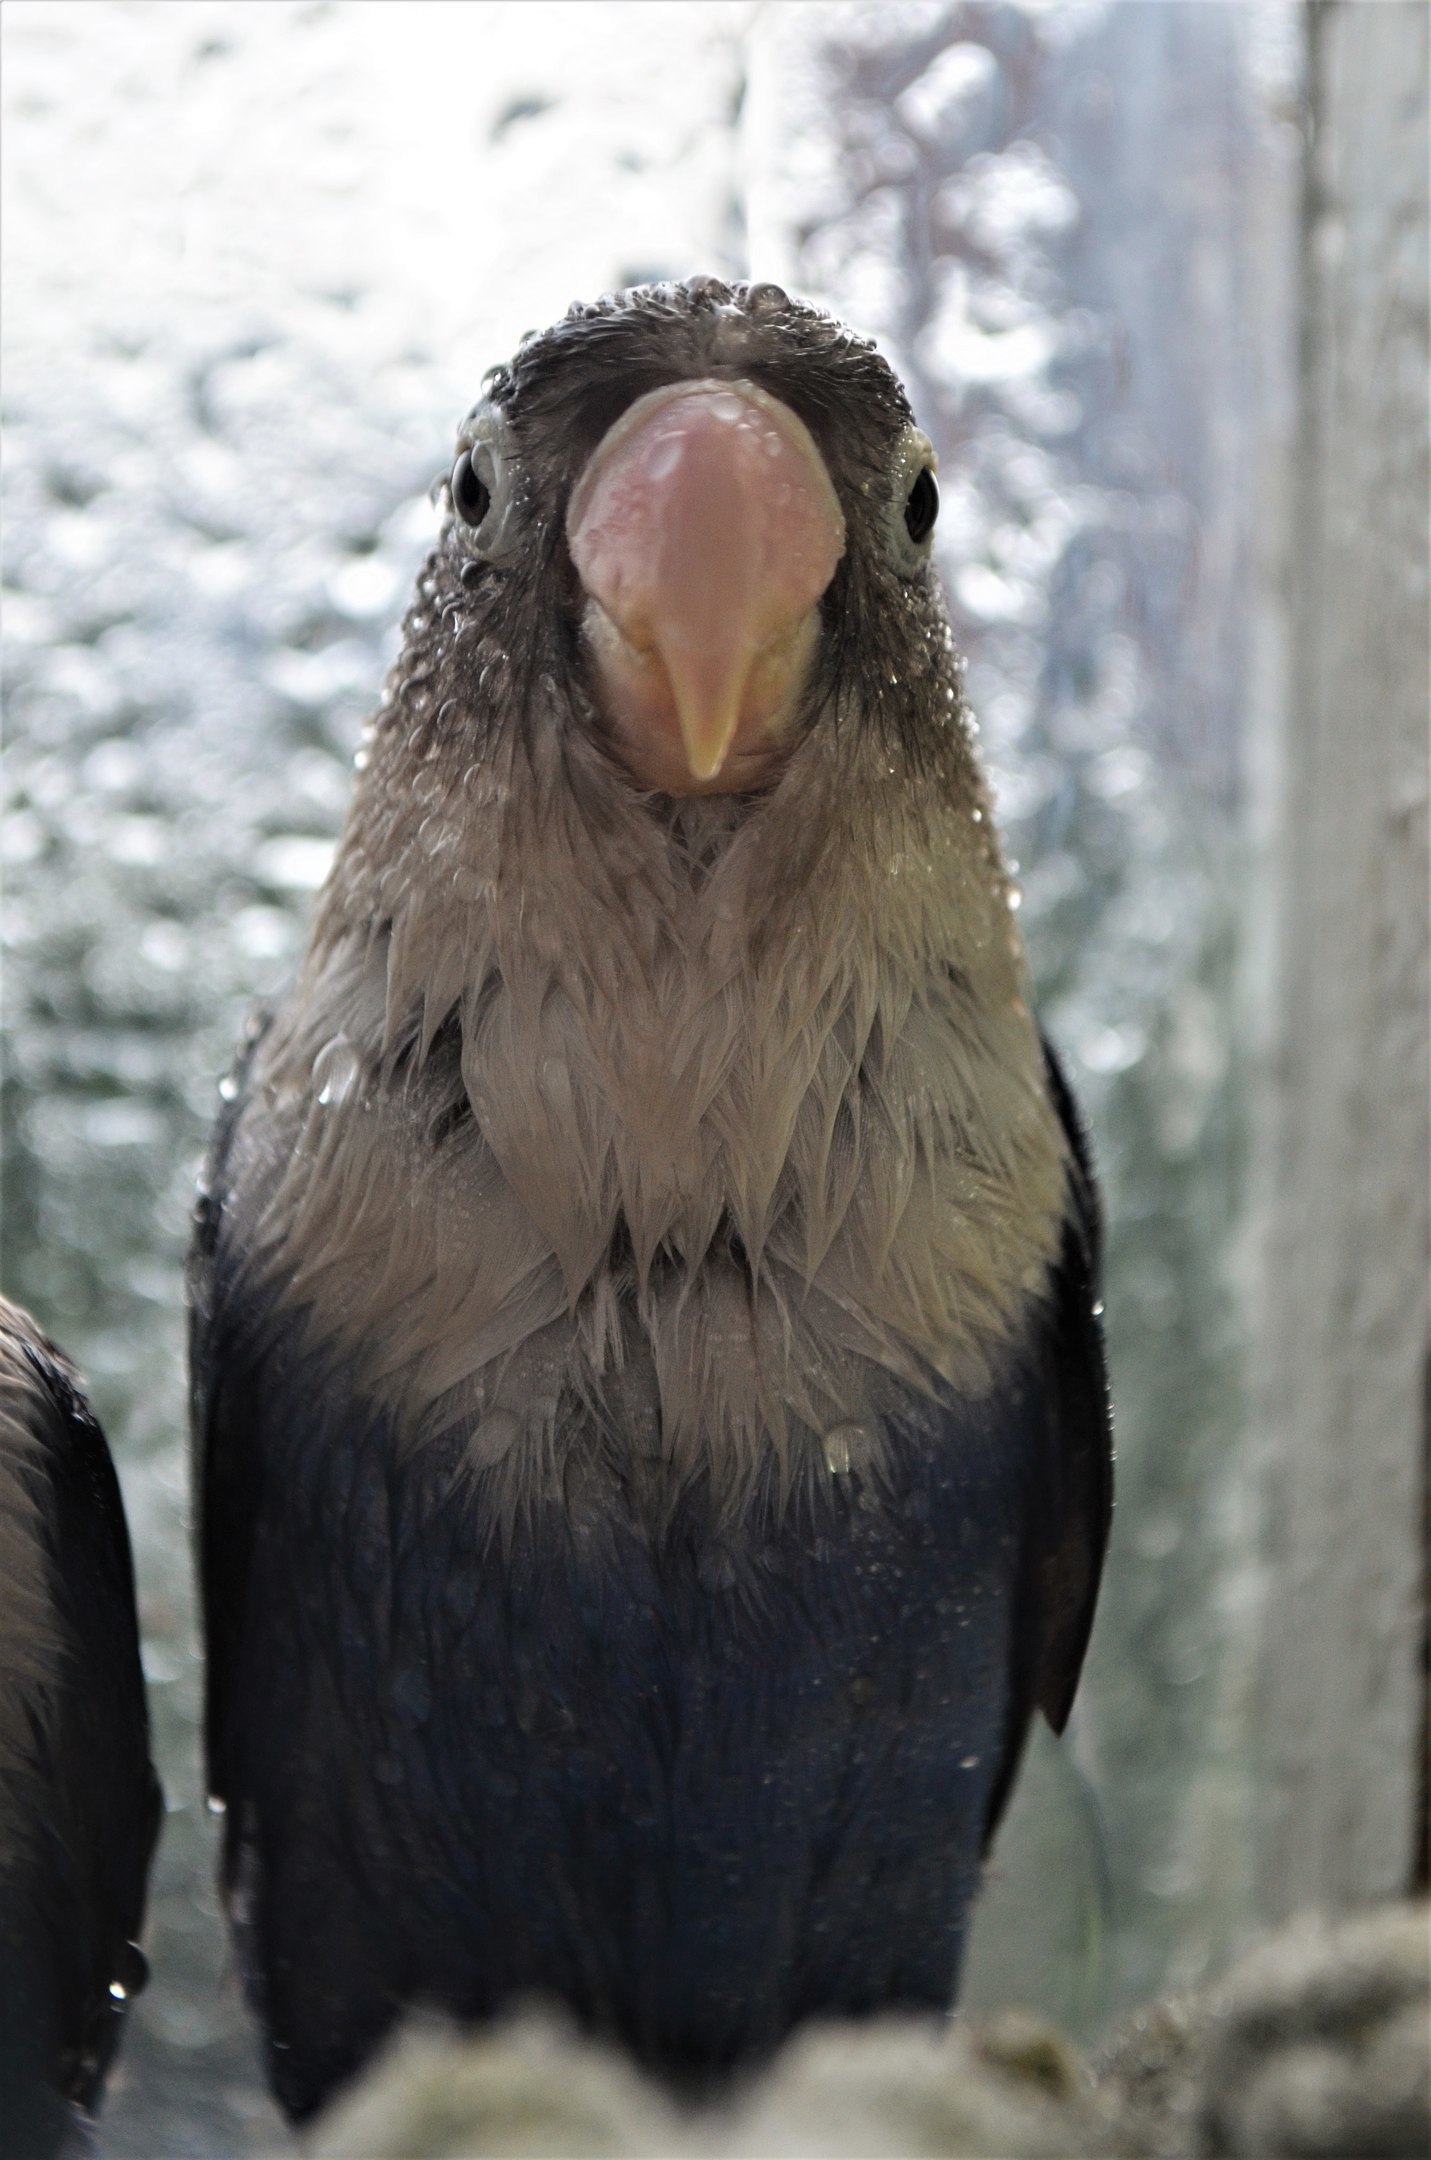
704, 530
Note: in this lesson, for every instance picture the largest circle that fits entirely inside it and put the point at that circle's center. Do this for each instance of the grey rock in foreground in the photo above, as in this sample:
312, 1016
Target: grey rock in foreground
1318, 2043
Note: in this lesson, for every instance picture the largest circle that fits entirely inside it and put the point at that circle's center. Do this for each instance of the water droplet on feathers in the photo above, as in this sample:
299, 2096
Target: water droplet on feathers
846, 1447
715, 1569
412, 1697
496, 1436
335, 1072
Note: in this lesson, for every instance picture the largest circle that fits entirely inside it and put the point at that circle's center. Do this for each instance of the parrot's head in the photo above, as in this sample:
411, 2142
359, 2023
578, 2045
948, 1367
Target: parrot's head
711, 513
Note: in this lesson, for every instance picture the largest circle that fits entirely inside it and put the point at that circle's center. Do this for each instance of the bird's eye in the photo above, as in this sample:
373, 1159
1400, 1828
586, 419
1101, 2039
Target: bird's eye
922, 506
489, 498
471, 496
912, 504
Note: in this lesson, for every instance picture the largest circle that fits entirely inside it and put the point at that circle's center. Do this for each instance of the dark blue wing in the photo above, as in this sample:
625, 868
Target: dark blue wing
1080, 1457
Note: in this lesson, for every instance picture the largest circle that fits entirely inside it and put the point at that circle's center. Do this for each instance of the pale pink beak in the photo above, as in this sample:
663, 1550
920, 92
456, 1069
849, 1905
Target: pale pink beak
704, 530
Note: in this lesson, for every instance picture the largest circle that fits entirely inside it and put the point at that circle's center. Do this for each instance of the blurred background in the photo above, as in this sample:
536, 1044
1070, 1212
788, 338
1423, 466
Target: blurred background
256, 260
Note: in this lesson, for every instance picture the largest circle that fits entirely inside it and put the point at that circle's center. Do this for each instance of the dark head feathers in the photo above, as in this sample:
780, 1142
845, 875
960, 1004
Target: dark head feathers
582, 373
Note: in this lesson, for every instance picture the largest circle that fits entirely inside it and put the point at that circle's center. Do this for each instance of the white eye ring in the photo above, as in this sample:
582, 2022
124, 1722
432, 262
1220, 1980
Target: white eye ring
916, 454
487, 439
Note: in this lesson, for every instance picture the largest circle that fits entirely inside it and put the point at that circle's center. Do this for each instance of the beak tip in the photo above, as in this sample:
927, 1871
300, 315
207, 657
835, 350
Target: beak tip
707, 747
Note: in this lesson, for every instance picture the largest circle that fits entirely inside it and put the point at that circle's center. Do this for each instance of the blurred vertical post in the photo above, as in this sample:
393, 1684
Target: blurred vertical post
1343, 1344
